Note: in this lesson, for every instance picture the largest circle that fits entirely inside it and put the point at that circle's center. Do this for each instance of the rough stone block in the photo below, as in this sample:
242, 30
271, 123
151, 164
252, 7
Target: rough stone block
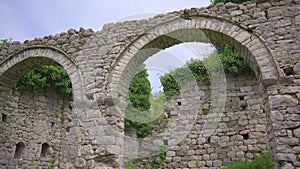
282, 101
285, 157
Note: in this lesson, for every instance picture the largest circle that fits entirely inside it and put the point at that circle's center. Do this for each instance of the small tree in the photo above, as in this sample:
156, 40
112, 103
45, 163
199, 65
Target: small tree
137, 115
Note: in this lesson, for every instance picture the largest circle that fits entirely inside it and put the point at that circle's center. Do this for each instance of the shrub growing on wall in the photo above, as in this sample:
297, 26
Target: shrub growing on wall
234, 1
45, 78
231, 63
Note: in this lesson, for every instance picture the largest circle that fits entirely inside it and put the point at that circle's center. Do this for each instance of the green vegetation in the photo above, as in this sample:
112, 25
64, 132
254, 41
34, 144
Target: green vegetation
204, 70
137, 115
205, 110
155, 162
263, 161
45, 78
140, 90
234, 1
157, 103
3, 42
143, 109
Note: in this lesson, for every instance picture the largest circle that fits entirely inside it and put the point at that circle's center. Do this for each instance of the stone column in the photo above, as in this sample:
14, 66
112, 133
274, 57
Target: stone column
284, 121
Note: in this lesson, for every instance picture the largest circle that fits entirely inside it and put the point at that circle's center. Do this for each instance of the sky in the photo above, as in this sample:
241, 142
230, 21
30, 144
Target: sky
174, 57
28, 19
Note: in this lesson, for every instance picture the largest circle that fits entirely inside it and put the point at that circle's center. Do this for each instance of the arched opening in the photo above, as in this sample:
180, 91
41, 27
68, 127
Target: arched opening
45, 152
20, 147
38, 111
242, 96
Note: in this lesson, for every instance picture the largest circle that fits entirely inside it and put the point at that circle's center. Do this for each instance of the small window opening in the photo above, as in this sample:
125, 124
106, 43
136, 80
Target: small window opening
241, 97
166, 142
208, 140
245, 136
19, 150
45, 150
244, 106
179, 103
52, 124
288, 71
4, 117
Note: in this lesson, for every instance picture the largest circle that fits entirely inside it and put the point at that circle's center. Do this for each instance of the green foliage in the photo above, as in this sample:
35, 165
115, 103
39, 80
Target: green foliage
159, 158
234, 1
140, 90
45, 78
155, 162
205, 110
3, 42
137, 115
141, 121
232, 62
158, 103
263, 161
171, 87
204, 70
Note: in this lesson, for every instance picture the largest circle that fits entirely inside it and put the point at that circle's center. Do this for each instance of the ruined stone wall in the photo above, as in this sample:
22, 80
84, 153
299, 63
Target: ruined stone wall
101, 64
34, 119
238, 135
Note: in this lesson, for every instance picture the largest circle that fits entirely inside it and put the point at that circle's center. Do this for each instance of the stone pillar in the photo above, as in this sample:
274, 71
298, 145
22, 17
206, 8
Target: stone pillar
284, 121
96, 137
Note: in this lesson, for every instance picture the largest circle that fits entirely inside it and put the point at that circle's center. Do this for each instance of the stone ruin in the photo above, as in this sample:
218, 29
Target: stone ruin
260, 111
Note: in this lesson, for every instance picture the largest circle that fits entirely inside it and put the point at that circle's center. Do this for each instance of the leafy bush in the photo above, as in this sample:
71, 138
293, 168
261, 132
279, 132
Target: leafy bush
204, 70
3, 42
263, 161
234, 1
45, 78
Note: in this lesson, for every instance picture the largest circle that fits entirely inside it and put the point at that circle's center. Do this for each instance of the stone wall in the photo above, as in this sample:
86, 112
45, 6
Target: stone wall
34, 119
238, 135
101, 64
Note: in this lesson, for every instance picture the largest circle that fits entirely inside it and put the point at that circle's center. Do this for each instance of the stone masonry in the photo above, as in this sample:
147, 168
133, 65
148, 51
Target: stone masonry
101, 64
239, 134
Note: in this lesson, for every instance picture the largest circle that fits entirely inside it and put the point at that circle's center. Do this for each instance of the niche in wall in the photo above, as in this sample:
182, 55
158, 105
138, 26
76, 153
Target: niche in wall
20, 147
4, 117
45, 150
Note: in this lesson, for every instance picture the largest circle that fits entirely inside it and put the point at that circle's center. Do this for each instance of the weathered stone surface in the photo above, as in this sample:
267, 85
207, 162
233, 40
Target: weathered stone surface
100, 63
289, 141
296, 132
80, 162
296, 68
282, 101
285, 157
288, 166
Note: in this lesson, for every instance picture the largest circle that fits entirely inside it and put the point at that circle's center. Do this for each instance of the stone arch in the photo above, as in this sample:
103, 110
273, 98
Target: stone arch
16, 65
205, 28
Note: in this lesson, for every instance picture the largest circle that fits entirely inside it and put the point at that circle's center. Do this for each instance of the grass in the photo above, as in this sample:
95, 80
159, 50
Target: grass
263, 161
